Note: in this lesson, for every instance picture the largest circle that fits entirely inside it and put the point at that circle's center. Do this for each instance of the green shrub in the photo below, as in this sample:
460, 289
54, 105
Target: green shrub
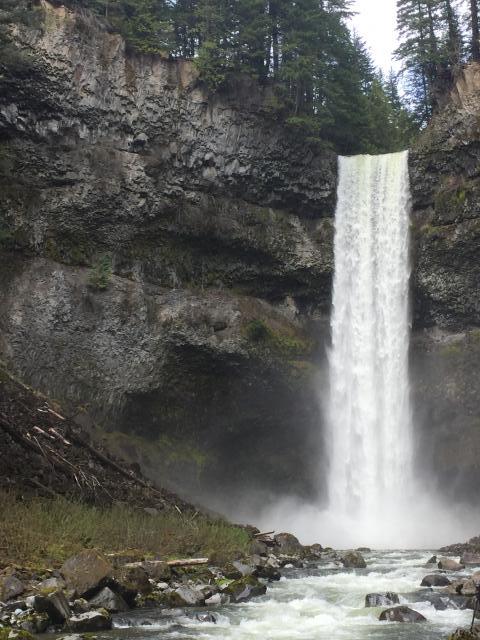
100, 273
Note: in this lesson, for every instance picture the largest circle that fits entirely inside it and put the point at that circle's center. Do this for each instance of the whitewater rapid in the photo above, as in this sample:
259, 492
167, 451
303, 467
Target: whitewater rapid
322, 603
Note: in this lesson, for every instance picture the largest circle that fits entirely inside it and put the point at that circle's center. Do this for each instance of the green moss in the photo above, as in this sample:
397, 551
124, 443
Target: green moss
67, 250
452, 350
284, 344
7, 633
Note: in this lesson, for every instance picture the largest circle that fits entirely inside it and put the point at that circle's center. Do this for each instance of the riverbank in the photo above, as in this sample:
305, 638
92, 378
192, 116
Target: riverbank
68, 566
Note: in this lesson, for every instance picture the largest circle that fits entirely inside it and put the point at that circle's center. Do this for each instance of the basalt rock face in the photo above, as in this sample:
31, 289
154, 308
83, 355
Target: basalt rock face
164, 255
445, 172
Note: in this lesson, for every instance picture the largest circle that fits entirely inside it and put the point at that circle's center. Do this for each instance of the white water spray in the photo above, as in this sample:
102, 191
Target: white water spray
369, 418
374, 499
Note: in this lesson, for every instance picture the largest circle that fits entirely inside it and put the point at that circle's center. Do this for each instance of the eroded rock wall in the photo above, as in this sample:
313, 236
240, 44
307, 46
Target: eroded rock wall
445, 170
164, 258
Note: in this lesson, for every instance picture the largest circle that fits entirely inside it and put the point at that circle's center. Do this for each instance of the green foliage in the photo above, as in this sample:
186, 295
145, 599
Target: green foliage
431, 48
280, 343
321, 77
100, 273
65, 527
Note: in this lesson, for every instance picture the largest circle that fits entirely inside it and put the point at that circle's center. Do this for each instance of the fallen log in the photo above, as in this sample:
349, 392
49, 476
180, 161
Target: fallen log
189, 562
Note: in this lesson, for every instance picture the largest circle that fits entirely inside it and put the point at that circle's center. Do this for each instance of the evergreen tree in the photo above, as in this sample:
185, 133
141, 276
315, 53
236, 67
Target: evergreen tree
475, 44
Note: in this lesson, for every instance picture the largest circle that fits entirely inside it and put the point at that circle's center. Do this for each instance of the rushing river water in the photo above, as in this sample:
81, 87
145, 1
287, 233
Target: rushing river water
312, 604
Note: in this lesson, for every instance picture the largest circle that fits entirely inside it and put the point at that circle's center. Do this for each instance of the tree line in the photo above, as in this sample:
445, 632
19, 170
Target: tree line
437, 37
321, 79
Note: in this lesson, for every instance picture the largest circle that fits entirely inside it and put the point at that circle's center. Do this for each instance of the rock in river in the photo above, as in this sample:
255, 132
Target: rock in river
353, 560
435, 580
91, 621
381, 599
401, 614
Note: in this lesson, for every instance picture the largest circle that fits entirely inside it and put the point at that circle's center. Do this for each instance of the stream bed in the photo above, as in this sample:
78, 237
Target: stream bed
313, 604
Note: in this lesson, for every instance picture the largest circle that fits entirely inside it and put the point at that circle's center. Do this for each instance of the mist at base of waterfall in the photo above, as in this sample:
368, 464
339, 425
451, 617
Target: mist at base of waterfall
426, 523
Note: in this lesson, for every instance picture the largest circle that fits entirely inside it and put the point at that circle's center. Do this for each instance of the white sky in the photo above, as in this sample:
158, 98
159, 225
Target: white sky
375, 23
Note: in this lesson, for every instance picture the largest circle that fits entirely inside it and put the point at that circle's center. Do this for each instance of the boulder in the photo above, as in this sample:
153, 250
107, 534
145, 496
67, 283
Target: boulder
466, 634
433, 560
381, 599
287, 544
401, 614
86, 571
53, 584
353, 560
187, 597
157, 570
257, 547
34, 622
470, 559
10, 587
244, 568
447, 564
54, 605
231, 572
244, 589
435, 580
131, 580
267, 573
90, 621
217, 599
109, 600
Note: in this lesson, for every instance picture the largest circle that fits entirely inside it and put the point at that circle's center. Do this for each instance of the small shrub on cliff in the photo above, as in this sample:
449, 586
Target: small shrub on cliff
100, 274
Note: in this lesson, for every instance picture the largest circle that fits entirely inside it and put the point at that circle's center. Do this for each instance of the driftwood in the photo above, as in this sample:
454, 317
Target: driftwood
189, 562
262, 535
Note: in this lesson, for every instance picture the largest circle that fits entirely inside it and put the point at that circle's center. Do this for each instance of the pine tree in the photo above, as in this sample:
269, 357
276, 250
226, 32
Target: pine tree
475, 30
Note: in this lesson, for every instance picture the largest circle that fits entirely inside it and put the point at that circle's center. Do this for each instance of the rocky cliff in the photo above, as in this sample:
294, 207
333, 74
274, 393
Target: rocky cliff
445, 168
166, 263
163, 257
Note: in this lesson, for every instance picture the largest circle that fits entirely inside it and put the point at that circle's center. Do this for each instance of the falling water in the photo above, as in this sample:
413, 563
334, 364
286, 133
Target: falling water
369, 411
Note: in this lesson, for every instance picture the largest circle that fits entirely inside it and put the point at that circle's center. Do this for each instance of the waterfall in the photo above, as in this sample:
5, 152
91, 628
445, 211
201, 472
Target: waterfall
369, 421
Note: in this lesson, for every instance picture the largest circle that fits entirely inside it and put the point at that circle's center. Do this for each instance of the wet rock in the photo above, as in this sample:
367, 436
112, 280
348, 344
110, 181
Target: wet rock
433, 560
364, 550
447, 564
90, 621
244, 568
267, 573
381, 599
54, 605
206, 617
353, 560
85, 571
401, 614
10, 587
287, 544
435, 580
244, 589
109, 600
217, 599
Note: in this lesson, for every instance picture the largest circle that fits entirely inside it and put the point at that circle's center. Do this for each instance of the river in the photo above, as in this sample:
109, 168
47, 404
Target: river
322, 603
